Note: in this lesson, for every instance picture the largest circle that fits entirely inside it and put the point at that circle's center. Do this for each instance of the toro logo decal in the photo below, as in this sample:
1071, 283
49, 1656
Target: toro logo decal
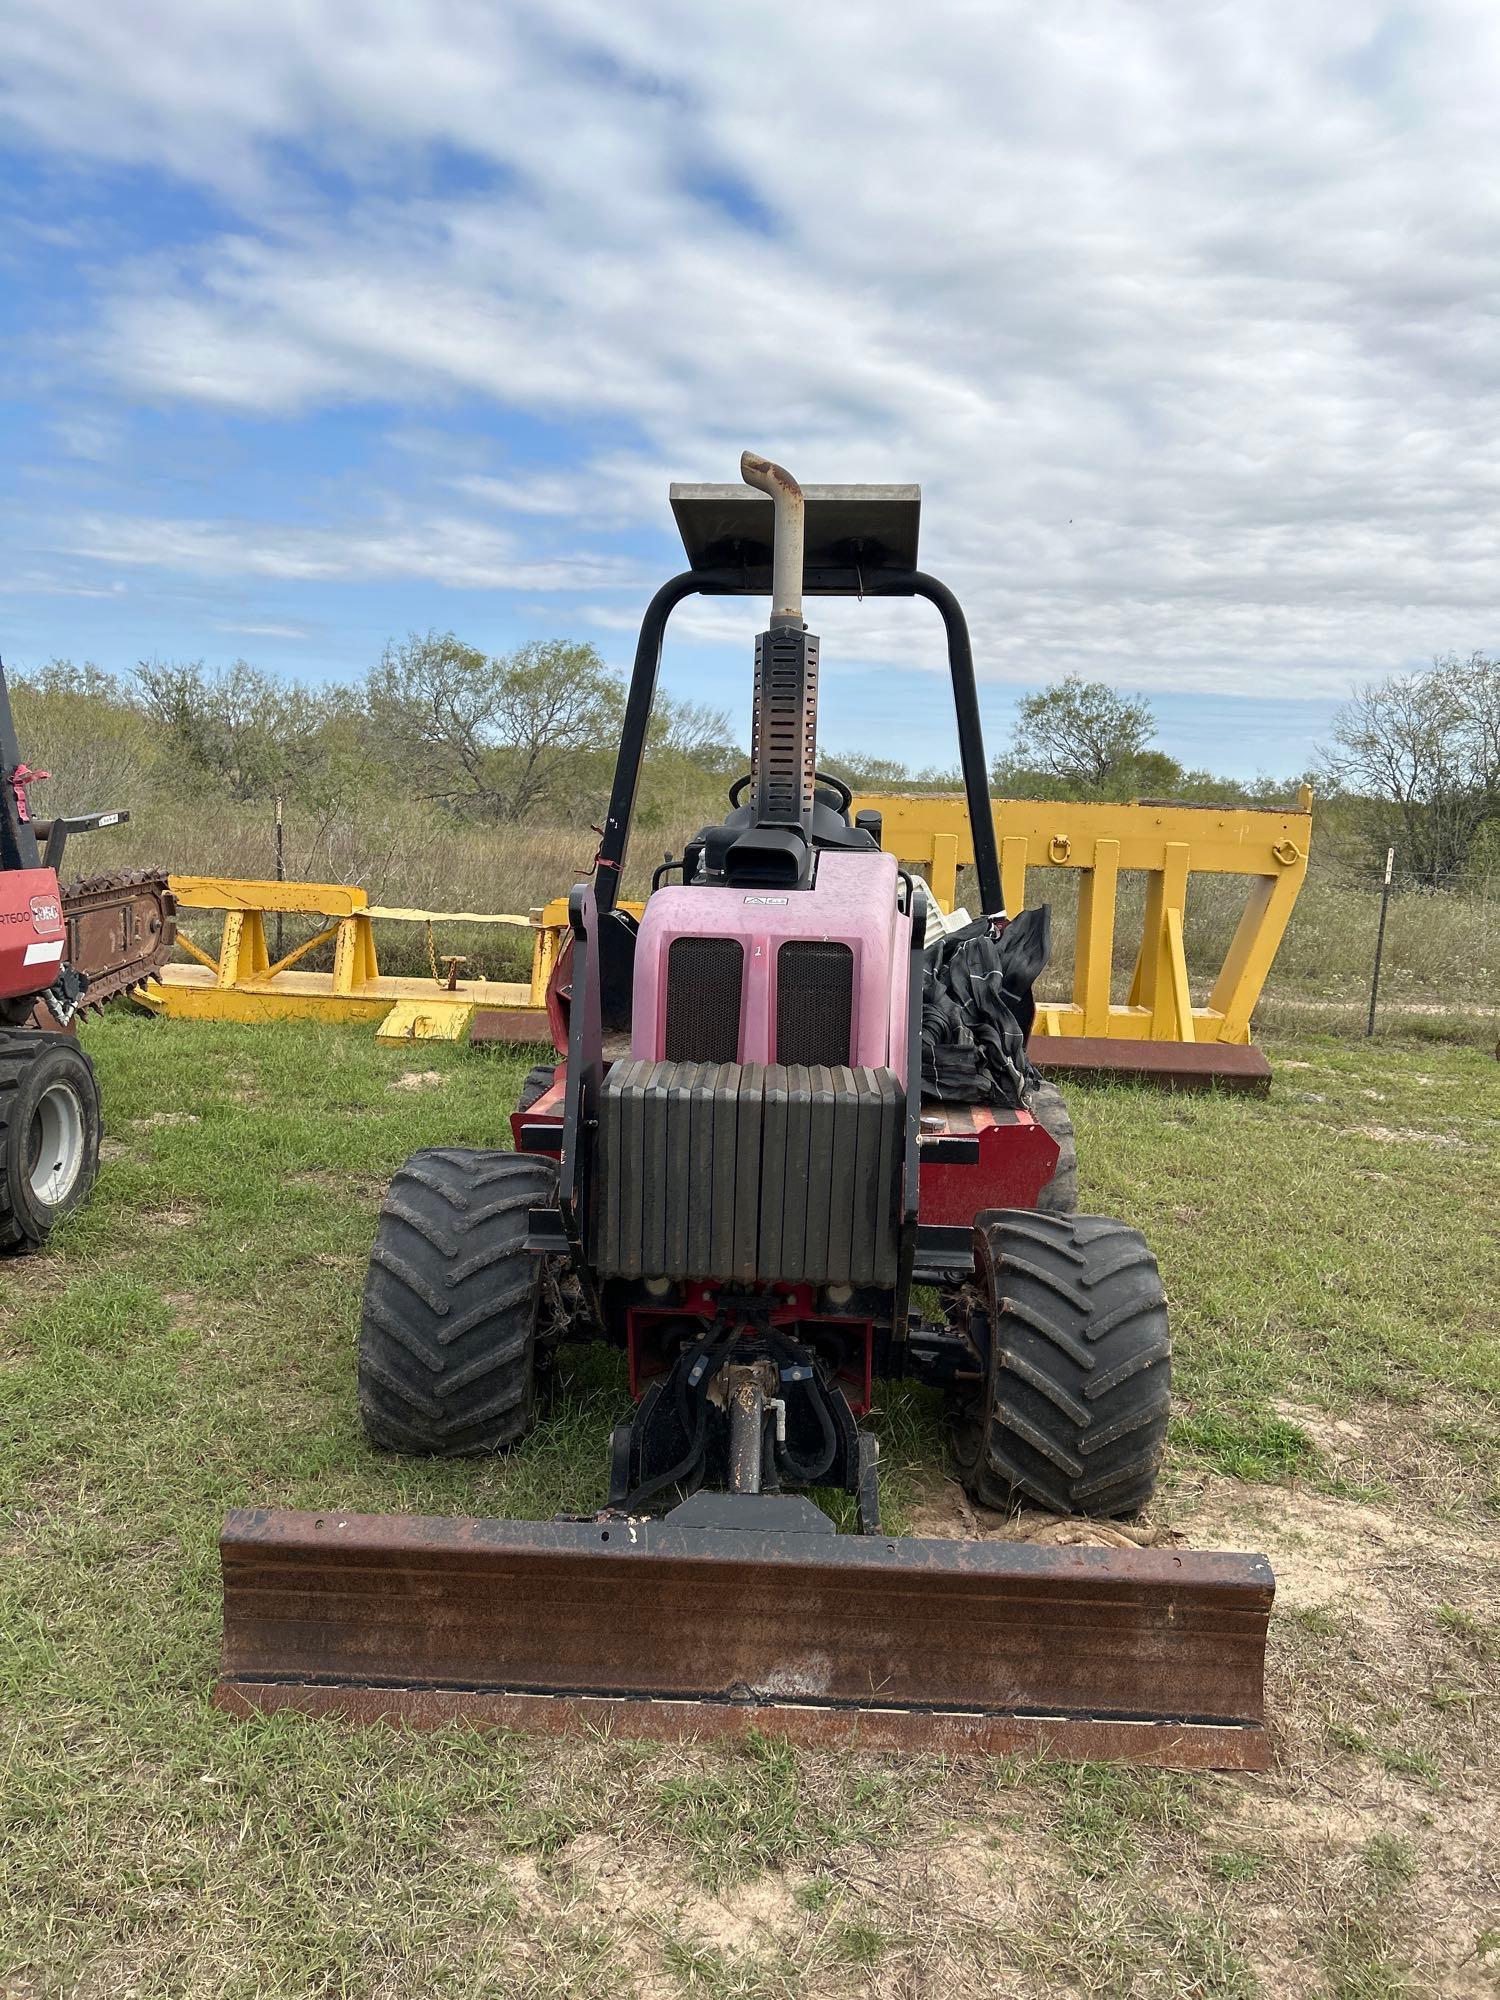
46, 914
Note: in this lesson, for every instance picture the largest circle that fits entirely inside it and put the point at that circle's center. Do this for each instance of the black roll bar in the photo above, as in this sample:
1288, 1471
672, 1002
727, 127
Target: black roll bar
851, 582
18, 844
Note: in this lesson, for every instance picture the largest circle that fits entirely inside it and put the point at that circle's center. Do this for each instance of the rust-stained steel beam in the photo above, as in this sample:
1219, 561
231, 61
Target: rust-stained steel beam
1167, 1065
510, 1024
1145, 1655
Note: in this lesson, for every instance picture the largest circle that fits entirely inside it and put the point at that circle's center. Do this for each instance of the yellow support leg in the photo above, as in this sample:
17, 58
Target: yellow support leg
944, 871
1013, 873
242, 951
354, 964
1255, 943
1182, 999
1155, 970
543, 959
1094, 949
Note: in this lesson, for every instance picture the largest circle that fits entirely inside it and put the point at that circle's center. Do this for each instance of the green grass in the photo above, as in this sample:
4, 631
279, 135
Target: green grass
1308, 1258
187, 1344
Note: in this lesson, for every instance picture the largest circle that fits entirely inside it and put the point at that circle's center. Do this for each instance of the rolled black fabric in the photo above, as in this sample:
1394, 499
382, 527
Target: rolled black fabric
977, 1009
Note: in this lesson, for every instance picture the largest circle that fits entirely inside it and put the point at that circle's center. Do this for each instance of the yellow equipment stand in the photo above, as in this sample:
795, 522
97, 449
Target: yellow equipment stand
242, 983
1169, 844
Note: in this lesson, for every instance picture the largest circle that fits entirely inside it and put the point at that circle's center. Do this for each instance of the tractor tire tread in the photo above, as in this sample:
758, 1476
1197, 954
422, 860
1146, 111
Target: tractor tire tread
1076, 1406
21, 1228
537, 1083
448, 1333
1046, 1104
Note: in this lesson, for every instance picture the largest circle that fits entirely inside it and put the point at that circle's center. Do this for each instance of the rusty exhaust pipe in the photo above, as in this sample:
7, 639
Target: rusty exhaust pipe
786, 568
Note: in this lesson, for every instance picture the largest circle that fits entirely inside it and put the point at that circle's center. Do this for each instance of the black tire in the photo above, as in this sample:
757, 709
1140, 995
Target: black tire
1073, 1415
49, 1134
1045, 1103
538, 1083
452, 1304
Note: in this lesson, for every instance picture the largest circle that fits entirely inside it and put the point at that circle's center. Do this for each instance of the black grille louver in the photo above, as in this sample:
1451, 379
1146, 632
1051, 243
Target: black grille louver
704, 977
814, 1002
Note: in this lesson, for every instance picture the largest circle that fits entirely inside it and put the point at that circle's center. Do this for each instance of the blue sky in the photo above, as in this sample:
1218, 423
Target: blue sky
324, 324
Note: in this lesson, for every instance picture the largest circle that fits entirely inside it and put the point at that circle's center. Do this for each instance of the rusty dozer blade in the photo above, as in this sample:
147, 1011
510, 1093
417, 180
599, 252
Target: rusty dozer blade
679, 1629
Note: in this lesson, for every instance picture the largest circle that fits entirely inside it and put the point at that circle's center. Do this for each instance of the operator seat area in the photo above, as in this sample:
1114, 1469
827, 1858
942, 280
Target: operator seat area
738, 852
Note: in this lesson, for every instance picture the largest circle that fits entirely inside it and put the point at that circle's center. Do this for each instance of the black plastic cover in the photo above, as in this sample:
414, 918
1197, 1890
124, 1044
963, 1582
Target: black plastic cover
749, 1172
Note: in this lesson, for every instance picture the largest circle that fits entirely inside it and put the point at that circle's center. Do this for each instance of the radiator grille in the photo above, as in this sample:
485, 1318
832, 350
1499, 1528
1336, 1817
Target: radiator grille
704, 976
814, 1002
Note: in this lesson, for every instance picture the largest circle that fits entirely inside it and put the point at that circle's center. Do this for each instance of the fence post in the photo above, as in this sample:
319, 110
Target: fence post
280, 869
1385, 897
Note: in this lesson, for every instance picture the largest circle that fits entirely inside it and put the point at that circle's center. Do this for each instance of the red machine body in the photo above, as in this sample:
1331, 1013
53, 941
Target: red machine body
33, 935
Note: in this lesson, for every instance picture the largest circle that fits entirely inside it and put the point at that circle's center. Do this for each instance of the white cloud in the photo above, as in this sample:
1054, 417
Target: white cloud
1185, 317
263, 631
457, 552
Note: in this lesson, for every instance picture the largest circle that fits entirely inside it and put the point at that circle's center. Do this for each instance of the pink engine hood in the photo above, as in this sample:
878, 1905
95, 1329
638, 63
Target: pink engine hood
853, 902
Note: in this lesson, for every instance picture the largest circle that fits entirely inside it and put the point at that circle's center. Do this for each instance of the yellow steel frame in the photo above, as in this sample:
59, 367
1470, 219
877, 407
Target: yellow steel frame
1170, 843
243, 984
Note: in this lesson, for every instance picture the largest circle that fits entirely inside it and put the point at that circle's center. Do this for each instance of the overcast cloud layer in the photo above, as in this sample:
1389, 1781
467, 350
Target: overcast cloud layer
1183, 315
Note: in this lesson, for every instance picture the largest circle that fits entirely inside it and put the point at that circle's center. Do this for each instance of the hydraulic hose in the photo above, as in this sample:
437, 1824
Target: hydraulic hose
807, 1472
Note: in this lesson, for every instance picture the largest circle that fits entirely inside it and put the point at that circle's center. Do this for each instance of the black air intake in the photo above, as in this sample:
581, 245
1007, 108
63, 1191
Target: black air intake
704, 977
814, 1002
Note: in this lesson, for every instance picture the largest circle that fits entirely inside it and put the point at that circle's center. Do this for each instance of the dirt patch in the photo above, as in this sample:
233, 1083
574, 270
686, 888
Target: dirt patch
160, 1118
176, 1215
330, 1181
1441, 1453
1328, 1551
946, 1512
1408, 1135
418, 1079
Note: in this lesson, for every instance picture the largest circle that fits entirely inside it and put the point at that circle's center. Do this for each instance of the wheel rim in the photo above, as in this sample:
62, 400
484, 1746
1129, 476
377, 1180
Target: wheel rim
54, 1154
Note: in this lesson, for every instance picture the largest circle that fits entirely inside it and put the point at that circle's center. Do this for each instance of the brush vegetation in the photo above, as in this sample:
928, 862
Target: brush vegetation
450, 780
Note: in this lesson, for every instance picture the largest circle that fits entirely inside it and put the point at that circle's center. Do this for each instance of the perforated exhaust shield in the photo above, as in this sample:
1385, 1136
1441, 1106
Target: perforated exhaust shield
653, 1629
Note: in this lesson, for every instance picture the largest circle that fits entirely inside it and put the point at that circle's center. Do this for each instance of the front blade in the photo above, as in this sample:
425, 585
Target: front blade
1140, 1655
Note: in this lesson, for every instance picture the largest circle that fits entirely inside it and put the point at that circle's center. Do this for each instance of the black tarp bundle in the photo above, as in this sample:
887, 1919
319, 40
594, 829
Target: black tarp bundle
977, 1009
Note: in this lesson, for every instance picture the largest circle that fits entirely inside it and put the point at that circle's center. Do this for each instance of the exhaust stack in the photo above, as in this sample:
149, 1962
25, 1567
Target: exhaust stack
786, 562
784, 727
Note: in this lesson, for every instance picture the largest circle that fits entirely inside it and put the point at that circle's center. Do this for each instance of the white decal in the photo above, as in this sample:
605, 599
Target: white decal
43, 954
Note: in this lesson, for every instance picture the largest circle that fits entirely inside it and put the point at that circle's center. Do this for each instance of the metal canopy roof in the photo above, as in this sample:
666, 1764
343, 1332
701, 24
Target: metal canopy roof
875, 526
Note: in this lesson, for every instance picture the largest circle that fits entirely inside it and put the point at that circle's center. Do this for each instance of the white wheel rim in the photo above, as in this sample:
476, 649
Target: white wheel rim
55, 1154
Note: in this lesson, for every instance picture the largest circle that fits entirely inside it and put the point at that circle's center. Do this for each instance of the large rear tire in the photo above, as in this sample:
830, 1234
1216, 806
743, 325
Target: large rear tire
1045, 1103
49, 1134
538, 1083
453, 1304
1073, 1412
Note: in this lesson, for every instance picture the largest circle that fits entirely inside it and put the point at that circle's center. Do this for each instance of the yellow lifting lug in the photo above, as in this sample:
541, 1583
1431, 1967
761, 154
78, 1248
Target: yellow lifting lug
1059, 848
1287, 852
